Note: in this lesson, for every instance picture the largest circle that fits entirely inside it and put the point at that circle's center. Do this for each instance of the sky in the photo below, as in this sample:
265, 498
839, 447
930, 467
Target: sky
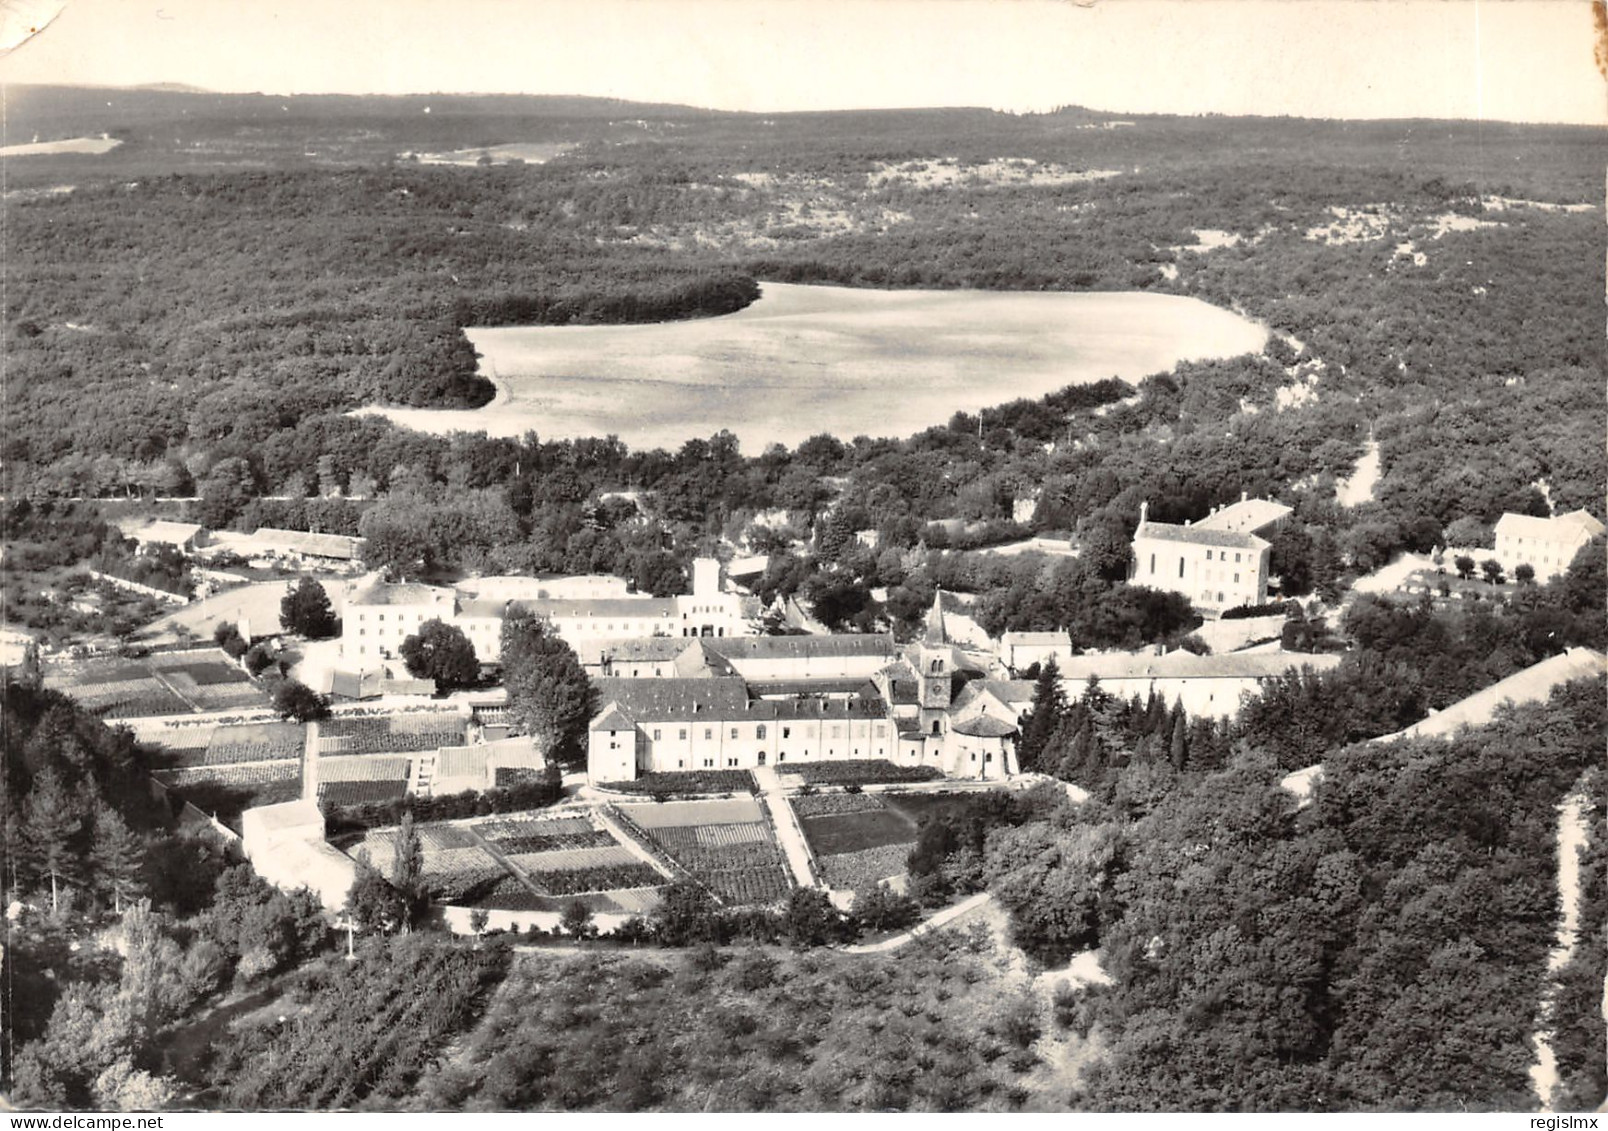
1507, 60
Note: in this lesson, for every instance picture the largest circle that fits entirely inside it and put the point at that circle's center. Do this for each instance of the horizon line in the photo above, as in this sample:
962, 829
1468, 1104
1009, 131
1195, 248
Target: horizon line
182, 88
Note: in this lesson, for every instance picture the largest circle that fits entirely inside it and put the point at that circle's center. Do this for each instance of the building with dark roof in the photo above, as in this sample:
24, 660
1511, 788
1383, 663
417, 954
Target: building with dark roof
1217, 569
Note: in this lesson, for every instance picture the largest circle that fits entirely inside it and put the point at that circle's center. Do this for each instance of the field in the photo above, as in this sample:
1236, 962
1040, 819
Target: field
859, 839
726, 845
562, 857
232, 745
455, 867
163, 683
225, 791
689, 781
91, 145
391, 734
810, 359
861, 771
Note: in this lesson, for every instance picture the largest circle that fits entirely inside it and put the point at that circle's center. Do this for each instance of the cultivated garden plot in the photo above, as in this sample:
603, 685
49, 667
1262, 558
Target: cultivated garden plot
857, 839
675, 782
861, 771
122, 689
392, 734
226, 791
231, 745
726, 845
343, 793
383, 768
163, 683
454, 866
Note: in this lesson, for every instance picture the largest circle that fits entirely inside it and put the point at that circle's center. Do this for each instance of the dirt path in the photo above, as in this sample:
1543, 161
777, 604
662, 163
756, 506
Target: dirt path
1571, 843
1358, 487
797, 850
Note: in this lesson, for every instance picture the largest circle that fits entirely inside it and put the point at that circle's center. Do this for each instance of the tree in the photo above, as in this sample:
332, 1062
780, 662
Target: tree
686, 914
577, 920
549, 693
258, 659
1524, 573
118, 855
51, 824
295, 700
372, 903
407, 875
226, 490
227, 636
1465, 566
1492, 570
305, 610
880, 908
1049, 707
441, 652
811, 920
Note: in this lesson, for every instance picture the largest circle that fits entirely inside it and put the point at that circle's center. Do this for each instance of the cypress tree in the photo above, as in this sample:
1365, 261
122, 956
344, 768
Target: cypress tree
1049, 708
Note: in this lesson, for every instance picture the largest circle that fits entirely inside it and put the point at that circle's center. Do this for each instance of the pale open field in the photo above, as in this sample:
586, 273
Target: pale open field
92, 145
807, 359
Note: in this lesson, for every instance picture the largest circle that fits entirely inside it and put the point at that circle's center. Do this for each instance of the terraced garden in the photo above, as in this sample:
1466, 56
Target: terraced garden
392, 734
857, 839
163, 683
455, 865
688, 781
231, 745
226, 791
862, 771
727, 846
562, 857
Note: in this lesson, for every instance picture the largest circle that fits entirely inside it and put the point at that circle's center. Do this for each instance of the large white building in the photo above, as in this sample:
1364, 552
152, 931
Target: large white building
1205, 686
1215, 567
801, 699
1547, 545
380, 615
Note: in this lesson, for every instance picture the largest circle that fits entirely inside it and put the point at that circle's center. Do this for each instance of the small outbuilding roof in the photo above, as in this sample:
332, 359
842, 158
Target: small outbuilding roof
1199, 535
984, 726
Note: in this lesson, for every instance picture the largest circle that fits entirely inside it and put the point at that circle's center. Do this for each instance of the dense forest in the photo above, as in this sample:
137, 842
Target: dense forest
207, 329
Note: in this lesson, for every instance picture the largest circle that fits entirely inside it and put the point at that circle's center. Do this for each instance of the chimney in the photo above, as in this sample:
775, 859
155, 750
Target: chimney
1144, 512
1244, 495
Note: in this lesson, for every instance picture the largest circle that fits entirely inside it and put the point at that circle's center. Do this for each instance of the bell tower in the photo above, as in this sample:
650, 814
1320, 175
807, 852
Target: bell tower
934, 664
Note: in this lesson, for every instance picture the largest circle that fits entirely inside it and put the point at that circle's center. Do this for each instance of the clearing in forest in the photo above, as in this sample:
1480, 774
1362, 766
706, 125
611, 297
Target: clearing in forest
808, 359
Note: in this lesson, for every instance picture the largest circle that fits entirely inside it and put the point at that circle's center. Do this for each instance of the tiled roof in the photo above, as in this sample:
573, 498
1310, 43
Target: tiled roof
631, 649
1036, 639
697, 662
481, 607
764, 687
161, 530
740, 648
1187, 665
1199, 535
718, 700
983, 726
400, 593
302, 542
1531, 685
1008, 692
1563, 527
649, 700
618, 607
1249, 515
613, 718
